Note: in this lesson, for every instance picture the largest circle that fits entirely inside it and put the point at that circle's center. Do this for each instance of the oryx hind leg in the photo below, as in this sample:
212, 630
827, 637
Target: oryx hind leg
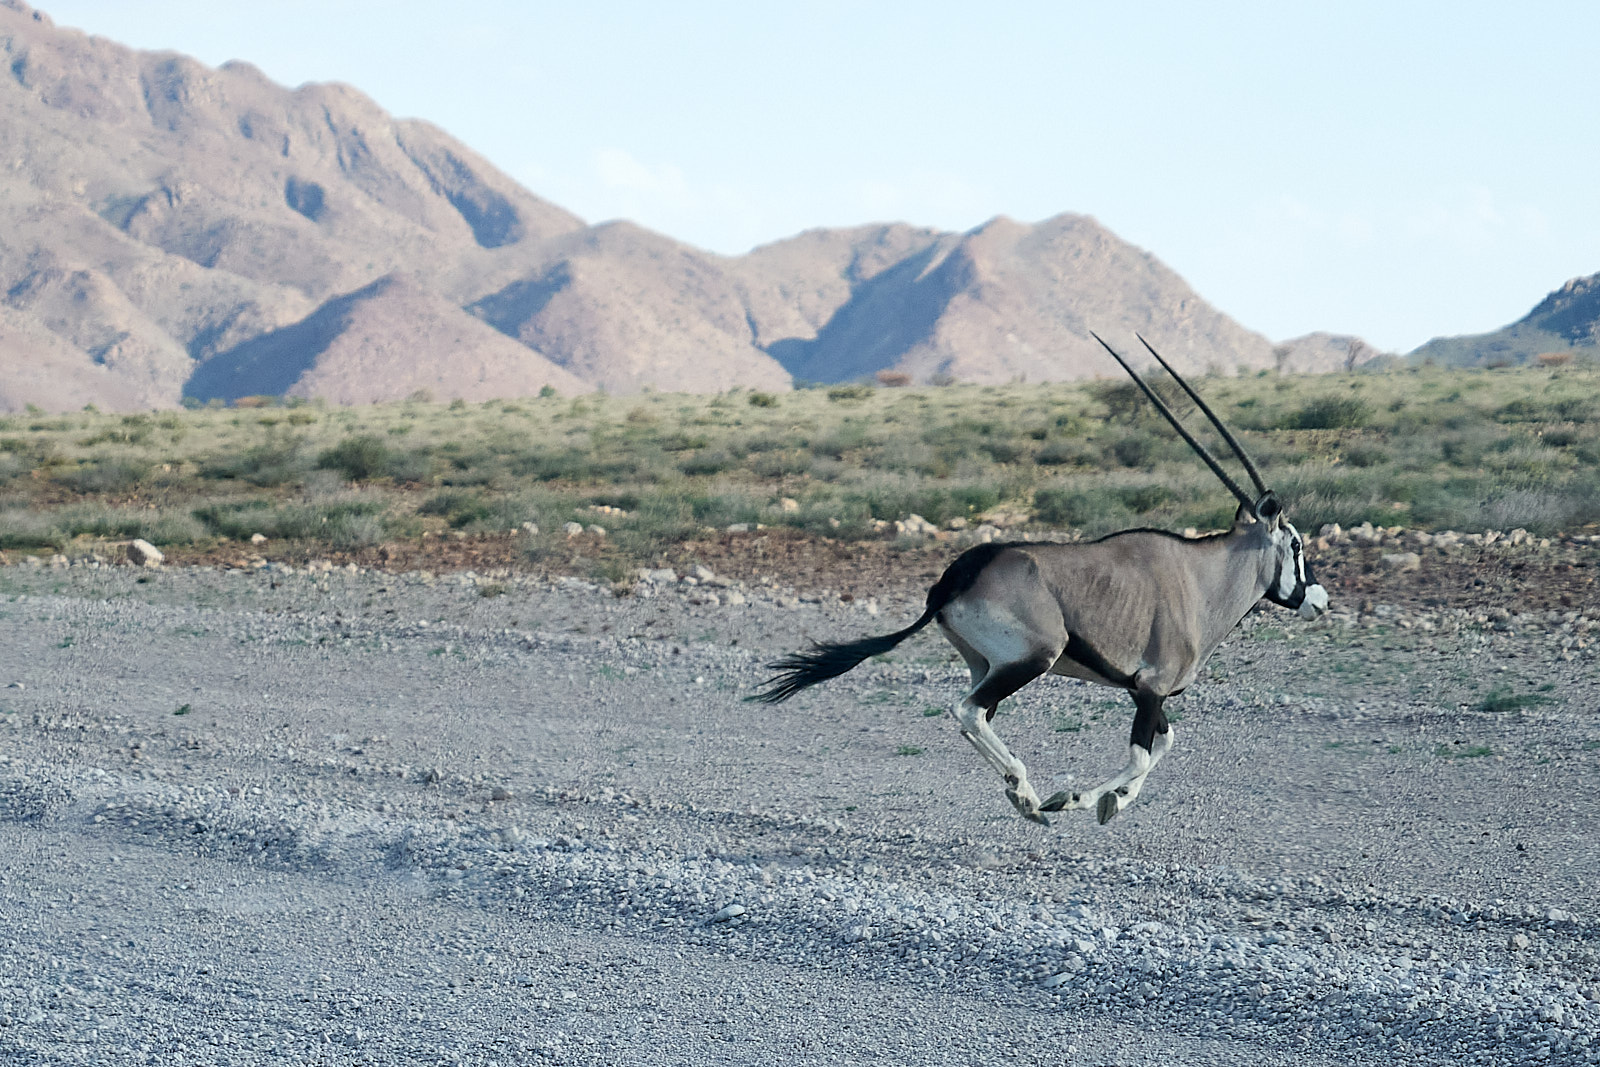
974, 712
1150, 740
1008, 629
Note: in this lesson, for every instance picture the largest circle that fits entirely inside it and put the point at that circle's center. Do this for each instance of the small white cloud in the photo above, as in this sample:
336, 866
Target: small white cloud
619, 169
1472, 218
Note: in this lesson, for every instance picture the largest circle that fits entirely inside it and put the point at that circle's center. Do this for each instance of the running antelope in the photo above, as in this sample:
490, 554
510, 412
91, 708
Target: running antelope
1140, 610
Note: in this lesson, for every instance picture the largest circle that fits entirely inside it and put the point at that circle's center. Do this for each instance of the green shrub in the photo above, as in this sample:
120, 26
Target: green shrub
1363, 456
105, 476
1330, 413
1067, 506
358, 458
346, 522
1063, 454
277, 462
1136, 449
710, 461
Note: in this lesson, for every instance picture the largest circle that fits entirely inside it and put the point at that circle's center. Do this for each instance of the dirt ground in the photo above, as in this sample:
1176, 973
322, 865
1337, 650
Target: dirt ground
288, 815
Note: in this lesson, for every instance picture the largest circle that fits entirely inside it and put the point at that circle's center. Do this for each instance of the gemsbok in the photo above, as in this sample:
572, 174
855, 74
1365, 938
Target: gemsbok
1140, 610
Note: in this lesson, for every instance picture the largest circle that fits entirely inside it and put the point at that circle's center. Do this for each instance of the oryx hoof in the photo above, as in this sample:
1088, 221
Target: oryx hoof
1027, 808
1108, 807
1058, 801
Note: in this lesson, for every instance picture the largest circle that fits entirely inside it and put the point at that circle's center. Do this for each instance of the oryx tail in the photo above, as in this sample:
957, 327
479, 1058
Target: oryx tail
824, 661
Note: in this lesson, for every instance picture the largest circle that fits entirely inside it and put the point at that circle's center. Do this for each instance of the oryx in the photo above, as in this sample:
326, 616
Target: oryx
1140, 610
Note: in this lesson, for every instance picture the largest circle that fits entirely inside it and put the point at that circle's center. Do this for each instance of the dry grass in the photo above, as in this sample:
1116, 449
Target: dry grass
1428, 448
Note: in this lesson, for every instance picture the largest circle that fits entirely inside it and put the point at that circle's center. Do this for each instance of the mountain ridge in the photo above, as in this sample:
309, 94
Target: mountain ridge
174, 228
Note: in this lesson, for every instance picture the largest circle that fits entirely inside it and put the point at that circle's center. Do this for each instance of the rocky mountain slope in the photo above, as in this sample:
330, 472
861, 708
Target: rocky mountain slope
173, 229
1566, 321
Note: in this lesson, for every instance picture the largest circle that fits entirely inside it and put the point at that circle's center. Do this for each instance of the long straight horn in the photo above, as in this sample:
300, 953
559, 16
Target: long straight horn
1238, 450
1161, 406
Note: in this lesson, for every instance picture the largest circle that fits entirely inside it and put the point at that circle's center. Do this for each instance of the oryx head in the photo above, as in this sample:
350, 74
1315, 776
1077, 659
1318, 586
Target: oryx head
1285, 573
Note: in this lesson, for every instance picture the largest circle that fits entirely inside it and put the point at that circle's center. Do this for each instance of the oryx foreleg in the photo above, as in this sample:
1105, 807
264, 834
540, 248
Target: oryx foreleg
1150, 740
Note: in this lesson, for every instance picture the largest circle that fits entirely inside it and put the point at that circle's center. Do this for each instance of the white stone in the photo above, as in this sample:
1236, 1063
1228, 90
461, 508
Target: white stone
258, 539
732, 911
572, 529
530, 528
598, 531
144, 554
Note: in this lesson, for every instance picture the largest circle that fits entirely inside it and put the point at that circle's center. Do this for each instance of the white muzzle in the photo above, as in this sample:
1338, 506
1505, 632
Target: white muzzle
1315, 602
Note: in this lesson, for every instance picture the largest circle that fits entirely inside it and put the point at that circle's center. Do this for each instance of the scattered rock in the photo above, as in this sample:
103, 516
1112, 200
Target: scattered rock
572, 529
732, 911
258, 539
143, 554
598, 531
915, 526
1402, 561
788, 505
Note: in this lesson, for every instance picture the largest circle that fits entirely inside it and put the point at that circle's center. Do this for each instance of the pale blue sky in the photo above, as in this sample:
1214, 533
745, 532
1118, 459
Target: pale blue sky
1397, 170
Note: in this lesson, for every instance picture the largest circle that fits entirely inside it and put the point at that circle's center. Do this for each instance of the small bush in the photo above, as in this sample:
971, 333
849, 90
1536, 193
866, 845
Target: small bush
849, 392
1142, 498
1330, 413
763, 400
1063, 454
357, 458
105, 476
1136, 449
701, 464
1363, 456
275, 463
1078, 507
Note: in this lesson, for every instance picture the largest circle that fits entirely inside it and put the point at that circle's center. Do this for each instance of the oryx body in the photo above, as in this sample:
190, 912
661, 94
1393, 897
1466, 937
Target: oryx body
1140, 610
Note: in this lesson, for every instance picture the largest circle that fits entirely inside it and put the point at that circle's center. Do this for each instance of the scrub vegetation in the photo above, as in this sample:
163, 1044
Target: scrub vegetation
1423, 448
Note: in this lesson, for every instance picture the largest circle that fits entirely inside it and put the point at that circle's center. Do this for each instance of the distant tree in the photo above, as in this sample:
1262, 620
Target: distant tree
1358, 352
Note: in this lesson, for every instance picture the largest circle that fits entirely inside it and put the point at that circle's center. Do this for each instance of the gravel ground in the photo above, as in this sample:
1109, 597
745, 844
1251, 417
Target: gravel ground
269, 815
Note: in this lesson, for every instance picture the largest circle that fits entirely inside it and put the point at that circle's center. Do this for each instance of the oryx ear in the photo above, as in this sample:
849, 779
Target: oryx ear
1268, 509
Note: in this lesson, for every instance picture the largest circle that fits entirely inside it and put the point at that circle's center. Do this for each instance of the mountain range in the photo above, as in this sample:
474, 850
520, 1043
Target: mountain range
1565, 323
174, 231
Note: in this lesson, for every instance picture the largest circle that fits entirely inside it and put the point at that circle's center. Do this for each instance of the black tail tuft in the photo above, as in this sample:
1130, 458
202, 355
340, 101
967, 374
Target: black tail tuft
804, 669
821, 662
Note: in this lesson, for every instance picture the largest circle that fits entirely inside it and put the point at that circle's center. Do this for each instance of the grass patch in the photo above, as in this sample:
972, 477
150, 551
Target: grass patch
1463, 751
1468, 450
1504, 699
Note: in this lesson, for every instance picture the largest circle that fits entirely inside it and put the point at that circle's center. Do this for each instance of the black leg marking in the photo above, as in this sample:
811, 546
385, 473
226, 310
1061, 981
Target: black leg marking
1005, 679
1148, 720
